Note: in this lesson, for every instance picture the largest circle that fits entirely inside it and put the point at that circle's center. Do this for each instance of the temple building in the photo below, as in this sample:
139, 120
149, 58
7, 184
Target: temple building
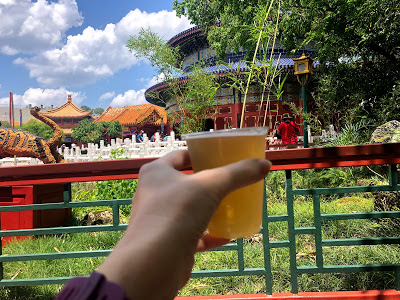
194, 47
68, 116
146, 117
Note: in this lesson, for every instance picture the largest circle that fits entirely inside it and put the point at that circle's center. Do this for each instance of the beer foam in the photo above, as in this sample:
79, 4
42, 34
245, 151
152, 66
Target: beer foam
247, 131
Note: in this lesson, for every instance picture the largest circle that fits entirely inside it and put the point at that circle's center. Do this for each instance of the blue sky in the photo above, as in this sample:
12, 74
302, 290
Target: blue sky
49, 49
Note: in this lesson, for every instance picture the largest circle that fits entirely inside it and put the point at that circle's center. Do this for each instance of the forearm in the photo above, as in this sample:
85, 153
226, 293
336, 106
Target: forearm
145, 266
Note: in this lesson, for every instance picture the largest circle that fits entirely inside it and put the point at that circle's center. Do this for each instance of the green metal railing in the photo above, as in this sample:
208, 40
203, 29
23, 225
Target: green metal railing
238, 245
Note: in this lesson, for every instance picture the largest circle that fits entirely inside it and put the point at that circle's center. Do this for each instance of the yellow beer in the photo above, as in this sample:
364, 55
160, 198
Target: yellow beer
240, 213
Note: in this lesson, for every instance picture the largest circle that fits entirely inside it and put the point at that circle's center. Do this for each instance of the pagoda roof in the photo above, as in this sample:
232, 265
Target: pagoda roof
284, 63
133, 115
184, 35
67, 110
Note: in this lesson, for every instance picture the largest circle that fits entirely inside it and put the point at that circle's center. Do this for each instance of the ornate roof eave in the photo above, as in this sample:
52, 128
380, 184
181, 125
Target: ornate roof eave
177, 39
126, 118
162, 86
71, 117
52, 113
105, 113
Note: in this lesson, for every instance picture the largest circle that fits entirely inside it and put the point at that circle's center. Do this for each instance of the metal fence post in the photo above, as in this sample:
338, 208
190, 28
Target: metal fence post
266, 245
292, 234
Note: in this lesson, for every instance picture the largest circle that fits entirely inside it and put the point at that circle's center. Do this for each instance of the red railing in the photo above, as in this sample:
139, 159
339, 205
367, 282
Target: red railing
290, 159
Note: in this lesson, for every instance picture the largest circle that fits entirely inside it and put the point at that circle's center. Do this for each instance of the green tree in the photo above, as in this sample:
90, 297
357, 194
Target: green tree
38, 128
194, 98
358, 50
233, 16
356, 42
87, 132
84, 107
98, 111
5, 124
90, 132
111, 129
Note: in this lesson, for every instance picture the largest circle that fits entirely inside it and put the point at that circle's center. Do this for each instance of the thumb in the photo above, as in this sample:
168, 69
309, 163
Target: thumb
226, 179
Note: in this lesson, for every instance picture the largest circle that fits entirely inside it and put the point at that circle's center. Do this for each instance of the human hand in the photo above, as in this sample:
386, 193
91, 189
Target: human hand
170, 213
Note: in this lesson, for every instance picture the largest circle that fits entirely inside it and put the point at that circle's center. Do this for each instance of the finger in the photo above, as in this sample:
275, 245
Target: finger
208, 242
228, 178
178, 159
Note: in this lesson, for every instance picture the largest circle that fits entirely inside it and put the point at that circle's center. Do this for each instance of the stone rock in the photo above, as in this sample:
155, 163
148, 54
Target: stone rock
386, 201
387, 133
100, 217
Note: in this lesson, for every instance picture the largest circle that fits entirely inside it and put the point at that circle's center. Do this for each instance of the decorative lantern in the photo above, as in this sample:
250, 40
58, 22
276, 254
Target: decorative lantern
303, 67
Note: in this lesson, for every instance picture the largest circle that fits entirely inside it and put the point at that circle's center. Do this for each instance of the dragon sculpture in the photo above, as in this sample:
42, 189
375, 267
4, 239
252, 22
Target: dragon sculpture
24, 144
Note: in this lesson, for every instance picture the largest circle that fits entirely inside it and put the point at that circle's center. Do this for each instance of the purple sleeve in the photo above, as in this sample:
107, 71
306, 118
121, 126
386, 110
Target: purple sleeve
91, 288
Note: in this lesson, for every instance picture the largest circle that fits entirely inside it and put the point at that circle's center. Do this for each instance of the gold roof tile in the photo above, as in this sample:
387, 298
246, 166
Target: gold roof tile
67, 110
134, 115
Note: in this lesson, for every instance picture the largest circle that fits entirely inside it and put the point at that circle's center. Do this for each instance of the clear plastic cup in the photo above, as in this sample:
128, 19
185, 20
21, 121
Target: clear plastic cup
240, 213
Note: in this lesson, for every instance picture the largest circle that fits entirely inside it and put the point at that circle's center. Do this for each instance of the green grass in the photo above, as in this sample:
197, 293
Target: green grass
253, 249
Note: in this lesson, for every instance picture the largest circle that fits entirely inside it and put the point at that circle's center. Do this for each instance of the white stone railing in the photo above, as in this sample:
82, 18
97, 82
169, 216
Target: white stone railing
118, 148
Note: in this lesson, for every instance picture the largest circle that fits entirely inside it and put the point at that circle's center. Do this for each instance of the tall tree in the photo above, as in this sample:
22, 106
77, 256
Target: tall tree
38, 128
357, 44
98, 111
84, 107
194, 98
89, 132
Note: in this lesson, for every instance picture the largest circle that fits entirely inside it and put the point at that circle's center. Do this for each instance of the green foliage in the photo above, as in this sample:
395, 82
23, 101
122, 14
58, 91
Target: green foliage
105, 190
351, 134
359, 40
194, 99
5, 124
235, 16
147, 44
112, 129
90, 132
390, 105
39, 129
87, 132
256, 37
84, 107
320, 178
98, 111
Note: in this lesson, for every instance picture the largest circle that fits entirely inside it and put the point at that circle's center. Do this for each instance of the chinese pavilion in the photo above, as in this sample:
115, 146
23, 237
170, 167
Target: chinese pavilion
194, 47
68, 116
146, 117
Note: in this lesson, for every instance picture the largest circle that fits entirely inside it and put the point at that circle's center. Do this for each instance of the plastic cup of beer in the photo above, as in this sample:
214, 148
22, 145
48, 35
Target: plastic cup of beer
240, 213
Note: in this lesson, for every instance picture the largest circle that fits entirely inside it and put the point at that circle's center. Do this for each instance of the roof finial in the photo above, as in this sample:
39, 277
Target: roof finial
69, 98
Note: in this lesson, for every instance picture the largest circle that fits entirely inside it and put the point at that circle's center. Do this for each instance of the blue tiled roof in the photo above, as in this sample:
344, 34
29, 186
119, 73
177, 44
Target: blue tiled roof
285, 63
184, 34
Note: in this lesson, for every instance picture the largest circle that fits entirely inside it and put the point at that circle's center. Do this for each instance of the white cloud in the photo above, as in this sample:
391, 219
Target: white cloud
45, 97
107, 96
29, 26
154, 80
97, 54
129, 98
